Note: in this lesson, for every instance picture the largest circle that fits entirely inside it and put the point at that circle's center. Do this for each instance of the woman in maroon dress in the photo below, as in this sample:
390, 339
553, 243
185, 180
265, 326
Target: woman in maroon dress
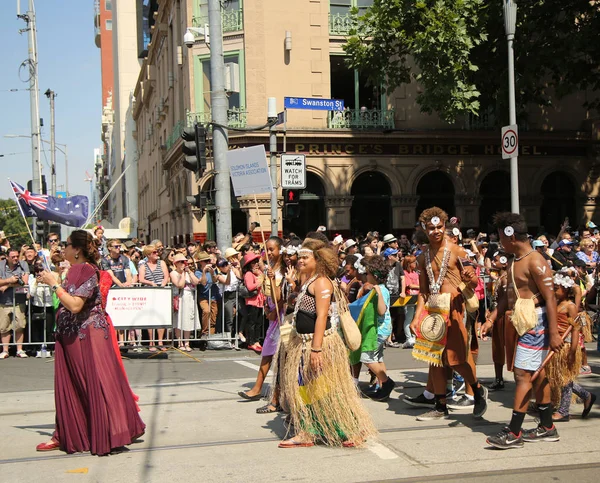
95, 408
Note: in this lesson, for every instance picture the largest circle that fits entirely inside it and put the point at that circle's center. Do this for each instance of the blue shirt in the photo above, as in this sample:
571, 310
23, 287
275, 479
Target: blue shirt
384, 322
208, 291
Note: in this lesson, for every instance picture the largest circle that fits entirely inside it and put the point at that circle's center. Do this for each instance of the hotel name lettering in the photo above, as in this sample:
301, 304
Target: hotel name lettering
425, 149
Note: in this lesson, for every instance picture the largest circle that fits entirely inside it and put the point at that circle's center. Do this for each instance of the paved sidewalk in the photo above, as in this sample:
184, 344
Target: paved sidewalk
202, 431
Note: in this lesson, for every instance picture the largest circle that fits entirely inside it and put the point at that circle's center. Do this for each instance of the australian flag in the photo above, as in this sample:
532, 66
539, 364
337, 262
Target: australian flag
71, 211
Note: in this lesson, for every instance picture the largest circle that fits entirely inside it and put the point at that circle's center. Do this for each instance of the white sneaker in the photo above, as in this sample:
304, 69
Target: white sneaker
22, 355
3, 355
38, 355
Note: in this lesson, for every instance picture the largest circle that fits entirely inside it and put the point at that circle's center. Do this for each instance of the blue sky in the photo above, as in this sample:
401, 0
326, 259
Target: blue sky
69, 64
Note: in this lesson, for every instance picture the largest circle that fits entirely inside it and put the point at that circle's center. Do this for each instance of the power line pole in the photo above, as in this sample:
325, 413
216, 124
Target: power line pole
51, 95
32, 64
219, 106
271, 114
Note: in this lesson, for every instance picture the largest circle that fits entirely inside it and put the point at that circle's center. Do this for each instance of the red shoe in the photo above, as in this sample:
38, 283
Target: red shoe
50, 446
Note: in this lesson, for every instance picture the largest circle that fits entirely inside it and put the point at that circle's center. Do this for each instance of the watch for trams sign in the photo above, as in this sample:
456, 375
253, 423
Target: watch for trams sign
293, 171
510, 141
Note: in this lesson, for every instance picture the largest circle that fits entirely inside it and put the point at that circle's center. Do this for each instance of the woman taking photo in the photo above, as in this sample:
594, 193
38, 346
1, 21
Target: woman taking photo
187, 316
95, 408
155, 274
316, 383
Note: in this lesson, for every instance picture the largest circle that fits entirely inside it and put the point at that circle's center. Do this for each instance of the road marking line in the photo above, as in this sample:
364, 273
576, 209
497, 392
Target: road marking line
383, 452
249, 365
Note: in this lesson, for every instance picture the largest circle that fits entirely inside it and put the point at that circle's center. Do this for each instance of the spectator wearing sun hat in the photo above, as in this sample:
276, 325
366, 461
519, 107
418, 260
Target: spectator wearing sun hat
253, 278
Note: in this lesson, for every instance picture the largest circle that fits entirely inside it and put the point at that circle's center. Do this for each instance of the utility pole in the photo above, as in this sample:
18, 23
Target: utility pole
219, 106
272, 113
510, 21
51, 95
32, 65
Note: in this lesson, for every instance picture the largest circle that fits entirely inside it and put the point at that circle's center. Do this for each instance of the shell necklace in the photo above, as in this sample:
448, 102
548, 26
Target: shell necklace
436, 285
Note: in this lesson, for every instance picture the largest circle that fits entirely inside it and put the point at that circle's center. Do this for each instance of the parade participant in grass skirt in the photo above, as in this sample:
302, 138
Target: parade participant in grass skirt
563, 368
322, 399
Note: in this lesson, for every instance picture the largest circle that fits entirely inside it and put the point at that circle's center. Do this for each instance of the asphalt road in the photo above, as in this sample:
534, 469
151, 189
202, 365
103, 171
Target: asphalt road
198, 428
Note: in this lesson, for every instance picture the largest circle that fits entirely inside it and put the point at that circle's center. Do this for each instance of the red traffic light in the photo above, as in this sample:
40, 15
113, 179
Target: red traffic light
292, 196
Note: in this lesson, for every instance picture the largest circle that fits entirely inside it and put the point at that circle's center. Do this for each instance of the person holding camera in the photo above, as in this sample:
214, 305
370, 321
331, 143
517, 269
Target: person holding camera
14, 276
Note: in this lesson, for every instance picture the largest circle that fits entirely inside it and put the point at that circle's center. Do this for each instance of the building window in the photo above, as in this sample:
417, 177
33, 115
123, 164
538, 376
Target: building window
202, 88
108, 24
340, 20
352, 86
108, 5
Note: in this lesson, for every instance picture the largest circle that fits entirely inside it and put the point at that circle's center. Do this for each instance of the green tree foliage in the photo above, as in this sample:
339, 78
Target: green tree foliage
13, 225
458, 52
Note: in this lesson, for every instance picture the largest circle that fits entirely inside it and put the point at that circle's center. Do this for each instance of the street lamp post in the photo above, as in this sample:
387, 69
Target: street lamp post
510, 21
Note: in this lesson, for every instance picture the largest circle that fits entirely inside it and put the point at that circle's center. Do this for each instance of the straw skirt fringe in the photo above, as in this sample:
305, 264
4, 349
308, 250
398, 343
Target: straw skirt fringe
559, 373
326, 406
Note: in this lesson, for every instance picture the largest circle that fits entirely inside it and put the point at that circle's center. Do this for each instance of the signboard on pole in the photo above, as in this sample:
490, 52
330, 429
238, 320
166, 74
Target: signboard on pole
140, 307
249, 171
293, 171
313, 103
510, 141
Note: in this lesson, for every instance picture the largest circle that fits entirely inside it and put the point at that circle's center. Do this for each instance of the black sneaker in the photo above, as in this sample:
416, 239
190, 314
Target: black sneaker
497, 385
420, 401
506, 439
463, 402
383, 393
480, 407
433, 415
541, 434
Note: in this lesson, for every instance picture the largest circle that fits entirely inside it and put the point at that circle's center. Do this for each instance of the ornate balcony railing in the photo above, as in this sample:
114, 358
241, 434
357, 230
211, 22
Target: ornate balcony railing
361, 119
232, 20
177, 130
340, 23
235, 117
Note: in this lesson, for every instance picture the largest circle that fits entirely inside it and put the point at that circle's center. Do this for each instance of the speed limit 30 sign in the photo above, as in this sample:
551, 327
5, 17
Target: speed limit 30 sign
510, 141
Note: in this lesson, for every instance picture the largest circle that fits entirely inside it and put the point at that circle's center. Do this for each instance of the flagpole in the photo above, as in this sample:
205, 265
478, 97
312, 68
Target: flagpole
22, 214
91, 217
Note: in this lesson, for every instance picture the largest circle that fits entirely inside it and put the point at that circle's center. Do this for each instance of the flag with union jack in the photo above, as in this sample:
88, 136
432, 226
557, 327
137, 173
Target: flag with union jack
71, 211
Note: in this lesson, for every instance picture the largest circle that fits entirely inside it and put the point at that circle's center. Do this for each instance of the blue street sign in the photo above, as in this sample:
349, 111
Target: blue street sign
314, 103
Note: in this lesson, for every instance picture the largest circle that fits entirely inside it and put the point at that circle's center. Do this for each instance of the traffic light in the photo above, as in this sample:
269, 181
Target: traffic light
194, 149
291, 207
199, 201
40, 229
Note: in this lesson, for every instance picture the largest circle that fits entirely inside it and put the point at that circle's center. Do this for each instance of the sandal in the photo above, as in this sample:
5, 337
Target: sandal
269, 408
588, 407
162, 348
559, 418
188, 348
152, 348
245, 396
292, 443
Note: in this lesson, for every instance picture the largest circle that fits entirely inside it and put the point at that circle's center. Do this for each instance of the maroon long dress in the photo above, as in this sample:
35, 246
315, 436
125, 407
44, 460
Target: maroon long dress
95, 408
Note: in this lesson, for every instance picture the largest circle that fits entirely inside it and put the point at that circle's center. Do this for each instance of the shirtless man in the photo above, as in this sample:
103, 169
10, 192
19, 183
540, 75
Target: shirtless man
533, 279
445, 275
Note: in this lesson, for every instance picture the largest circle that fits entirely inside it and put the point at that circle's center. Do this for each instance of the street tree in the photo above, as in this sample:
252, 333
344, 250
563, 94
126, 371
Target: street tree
457, 51
12, 224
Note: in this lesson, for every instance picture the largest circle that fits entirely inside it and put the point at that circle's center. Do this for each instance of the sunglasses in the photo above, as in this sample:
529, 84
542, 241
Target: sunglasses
154, 253
53, 240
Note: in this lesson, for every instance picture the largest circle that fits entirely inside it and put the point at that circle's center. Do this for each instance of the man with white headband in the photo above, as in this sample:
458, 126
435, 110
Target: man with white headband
530, 296
438, 322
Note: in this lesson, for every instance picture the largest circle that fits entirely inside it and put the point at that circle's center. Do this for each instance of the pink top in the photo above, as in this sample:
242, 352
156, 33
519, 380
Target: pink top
251, 282
480, 289
411, 278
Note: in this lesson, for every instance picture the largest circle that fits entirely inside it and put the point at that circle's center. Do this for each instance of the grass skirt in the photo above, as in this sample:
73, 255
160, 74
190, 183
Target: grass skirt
559, 373
326, 406
586, 326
